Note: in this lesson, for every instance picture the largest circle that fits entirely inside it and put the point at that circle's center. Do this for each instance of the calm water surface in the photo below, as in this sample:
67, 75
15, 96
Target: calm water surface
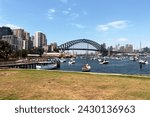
124, 66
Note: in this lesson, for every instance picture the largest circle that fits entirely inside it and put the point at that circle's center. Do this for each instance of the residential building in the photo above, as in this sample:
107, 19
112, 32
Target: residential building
122, 49
26, 40
45, 48
40, 40
12, 40
44, 40
117, 47
129, 48
19, 33
53, 46
30, 44
5, 31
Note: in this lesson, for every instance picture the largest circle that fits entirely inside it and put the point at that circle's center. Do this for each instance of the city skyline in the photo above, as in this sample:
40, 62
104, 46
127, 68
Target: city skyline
104, 21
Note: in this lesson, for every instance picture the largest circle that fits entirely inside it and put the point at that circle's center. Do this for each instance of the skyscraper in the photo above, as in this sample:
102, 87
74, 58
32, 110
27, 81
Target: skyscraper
26, 40
40, 40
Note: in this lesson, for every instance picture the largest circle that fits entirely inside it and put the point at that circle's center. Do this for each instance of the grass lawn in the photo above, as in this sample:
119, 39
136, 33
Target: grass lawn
58, 85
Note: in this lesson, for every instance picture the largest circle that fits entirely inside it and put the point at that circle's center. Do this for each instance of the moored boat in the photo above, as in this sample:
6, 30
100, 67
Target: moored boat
62, 60
46, 65
72, 62
104, 62
143, 61
86, 68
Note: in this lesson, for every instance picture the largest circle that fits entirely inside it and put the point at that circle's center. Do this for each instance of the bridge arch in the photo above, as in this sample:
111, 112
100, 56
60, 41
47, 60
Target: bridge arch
67, 45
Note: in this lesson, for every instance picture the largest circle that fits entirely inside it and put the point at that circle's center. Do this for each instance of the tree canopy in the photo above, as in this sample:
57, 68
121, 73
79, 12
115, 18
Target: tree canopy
5, 49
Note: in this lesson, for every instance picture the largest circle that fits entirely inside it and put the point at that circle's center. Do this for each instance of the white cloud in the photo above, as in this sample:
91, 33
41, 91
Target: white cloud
121, 24
51, 13
70, 14
65, 12
102, 28
118, 24
84, 12
12, 26
78, 25
69, 9
74, 15
64, 1
122, 39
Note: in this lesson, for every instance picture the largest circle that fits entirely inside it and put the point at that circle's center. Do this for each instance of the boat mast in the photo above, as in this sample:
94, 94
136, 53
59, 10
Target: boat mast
87, 52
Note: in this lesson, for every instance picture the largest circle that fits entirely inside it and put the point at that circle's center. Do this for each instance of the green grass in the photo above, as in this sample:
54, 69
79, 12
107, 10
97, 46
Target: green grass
59, 85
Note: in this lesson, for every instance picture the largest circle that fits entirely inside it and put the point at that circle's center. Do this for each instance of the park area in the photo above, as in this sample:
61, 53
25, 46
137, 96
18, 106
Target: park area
17, 84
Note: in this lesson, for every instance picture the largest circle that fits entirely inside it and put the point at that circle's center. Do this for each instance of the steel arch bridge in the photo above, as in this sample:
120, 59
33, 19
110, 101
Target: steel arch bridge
67, 45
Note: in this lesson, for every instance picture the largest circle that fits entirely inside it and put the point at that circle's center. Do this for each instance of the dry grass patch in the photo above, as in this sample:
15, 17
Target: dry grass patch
38, 84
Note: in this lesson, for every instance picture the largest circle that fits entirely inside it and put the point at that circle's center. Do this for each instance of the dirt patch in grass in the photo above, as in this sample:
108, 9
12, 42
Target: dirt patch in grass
8, 74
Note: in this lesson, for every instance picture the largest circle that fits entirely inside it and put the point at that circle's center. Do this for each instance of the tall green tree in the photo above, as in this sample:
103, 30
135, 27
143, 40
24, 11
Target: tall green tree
24, 53
5, 49
41, 51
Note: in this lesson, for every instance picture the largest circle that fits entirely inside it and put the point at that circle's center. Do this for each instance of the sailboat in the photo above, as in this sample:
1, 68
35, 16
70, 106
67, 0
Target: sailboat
86, 67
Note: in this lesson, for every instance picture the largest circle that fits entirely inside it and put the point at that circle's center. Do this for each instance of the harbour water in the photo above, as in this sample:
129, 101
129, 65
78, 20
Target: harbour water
124, 66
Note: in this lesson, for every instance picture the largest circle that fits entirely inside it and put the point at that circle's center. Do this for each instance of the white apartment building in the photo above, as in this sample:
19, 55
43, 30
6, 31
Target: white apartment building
39, 40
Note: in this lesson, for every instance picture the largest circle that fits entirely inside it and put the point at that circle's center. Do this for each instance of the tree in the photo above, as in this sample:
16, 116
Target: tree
104, 50
24, 53
146, 49
5, 49
56, 50
41, 51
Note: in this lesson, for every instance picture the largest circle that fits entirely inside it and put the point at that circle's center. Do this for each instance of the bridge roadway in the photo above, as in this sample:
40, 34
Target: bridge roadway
82, 49
115, 52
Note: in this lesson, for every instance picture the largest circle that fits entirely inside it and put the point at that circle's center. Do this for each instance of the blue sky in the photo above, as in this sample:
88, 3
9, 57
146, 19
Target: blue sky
104, 21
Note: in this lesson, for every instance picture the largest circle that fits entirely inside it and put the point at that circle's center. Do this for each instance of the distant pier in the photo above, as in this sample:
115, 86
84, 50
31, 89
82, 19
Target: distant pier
27, 64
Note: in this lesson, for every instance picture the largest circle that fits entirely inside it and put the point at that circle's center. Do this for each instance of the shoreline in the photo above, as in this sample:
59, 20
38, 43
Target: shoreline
94, 73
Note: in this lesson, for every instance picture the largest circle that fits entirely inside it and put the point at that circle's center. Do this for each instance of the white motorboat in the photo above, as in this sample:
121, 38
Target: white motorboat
104, 62
46, 65
133, 58
143, 61
100, 60
62, 60
72, 62
86, 68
